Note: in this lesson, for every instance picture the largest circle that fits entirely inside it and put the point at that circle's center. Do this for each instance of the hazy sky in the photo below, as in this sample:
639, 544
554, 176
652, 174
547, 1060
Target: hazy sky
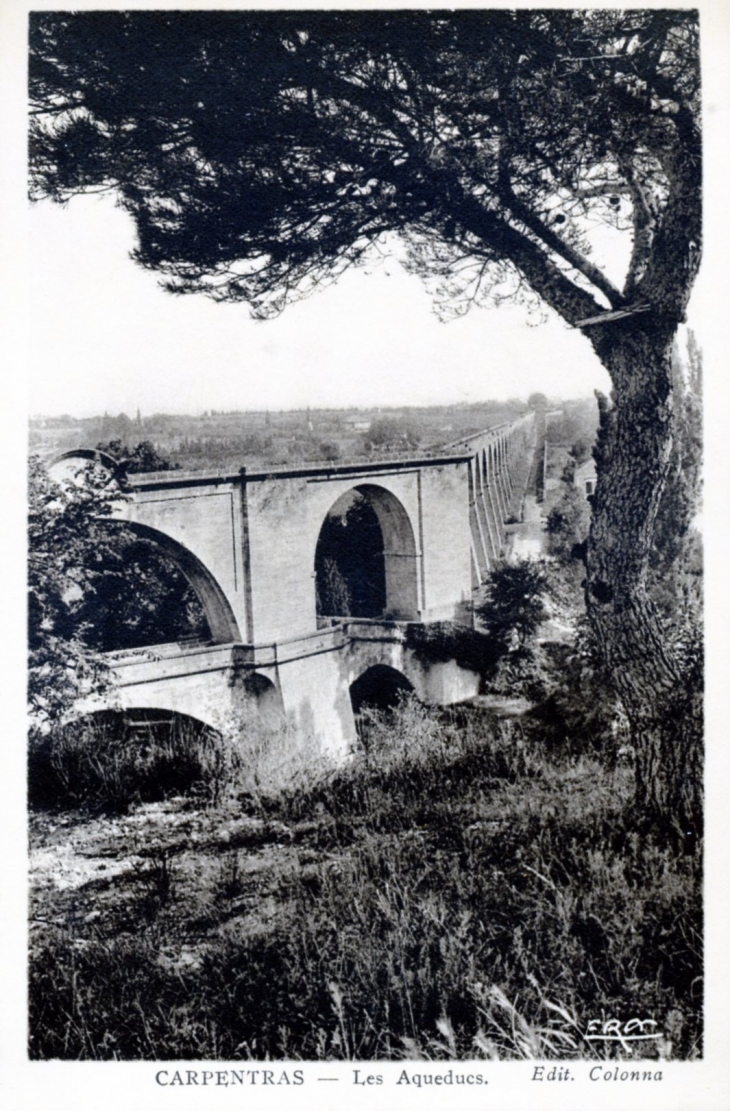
106, 337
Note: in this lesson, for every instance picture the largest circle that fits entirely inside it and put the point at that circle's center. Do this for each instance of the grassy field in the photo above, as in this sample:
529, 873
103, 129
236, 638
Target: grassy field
461, 890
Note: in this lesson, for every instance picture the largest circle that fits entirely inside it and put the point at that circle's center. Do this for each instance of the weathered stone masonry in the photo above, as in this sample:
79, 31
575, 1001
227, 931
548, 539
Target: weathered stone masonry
247, 541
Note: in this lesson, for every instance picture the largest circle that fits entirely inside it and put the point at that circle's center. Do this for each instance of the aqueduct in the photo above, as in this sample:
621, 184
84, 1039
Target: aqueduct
273, 554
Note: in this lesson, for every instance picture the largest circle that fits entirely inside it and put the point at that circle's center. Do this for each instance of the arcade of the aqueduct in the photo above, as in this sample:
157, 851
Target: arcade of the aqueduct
248, 544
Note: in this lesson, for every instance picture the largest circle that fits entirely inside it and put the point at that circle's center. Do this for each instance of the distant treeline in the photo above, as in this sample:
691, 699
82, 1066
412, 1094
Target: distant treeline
234, 437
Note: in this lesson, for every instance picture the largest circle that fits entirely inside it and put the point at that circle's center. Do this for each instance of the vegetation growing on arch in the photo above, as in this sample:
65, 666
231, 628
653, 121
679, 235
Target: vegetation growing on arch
68, 539
93, 586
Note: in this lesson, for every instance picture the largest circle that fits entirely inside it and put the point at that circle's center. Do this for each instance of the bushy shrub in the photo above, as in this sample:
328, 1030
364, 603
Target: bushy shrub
410, 733
441, 641
579, 711
567, 524
527, 672
140, 459
513, 602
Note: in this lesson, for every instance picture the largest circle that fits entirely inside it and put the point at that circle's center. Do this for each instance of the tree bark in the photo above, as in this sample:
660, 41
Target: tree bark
662, 704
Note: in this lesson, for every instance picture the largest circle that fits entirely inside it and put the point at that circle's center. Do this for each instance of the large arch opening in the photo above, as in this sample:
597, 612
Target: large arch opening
152, 590
365, 560
217, 611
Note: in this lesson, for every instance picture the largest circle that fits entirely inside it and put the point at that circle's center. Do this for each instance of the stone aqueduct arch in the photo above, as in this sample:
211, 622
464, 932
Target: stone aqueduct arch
254, 689
247, 543
379, 685
218, 612
216, 606
399, 547
399, 550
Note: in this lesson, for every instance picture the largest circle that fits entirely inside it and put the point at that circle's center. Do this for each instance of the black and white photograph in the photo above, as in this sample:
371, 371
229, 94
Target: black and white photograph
366, 543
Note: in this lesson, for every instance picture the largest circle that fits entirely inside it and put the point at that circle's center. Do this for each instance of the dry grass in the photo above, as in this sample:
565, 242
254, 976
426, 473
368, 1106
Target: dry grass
458, 891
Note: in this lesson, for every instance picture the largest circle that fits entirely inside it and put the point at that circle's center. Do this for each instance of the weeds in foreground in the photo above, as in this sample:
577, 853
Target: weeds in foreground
456, 892
109, 761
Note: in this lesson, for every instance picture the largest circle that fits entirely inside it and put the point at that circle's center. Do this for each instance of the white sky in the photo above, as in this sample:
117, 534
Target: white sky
105, 336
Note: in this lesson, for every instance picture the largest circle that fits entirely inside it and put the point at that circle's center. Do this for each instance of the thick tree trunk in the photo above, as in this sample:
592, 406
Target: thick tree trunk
633, 454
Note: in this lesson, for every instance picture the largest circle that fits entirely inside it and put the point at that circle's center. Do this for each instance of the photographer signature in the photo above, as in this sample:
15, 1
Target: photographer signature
611, 1030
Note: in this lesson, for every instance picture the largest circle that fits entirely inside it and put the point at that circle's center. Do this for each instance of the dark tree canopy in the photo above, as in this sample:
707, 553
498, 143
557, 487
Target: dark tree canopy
140, 459
392, 434
260, 153
514, 602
